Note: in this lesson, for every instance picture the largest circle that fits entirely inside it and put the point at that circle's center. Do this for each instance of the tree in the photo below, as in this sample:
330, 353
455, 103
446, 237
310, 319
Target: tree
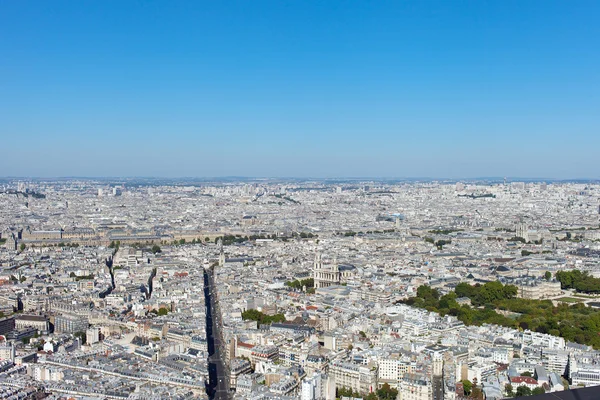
156, 249
508, 388
371, 396
523, 391
387, 393
467, 387
510, 291
346, 392
526, 373
255, 315
22, 247
548, 275
476, 393
425, 292
181, 241
162, 311
538, 390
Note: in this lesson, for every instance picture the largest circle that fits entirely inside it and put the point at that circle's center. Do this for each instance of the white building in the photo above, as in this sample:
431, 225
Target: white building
415, 387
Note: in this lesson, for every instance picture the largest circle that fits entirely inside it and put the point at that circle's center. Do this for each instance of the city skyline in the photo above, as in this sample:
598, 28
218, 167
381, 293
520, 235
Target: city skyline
313, 89
332, 179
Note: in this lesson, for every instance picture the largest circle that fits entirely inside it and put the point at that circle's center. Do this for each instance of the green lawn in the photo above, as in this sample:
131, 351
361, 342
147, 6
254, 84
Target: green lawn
569, 300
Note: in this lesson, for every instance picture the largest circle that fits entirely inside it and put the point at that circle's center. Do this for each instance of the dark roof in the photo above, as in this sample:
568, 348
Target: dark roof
25, 317
589, 393
346, 267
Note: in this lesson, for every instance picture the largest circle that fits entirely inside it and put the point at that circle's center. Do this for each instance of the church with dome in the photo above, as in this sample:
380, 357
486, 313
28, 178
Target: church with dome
326, 275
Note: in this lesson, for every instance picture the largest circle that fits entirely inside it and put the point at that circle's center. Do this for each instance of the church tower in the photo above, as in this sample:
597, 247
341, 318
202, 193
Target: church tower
317, 265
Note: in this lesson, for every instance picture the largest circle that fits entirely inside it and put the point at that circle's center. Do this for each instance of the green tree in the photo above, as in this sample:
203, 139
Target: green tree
387, 393
255, 315
538, 390
156, 249
22, 247
162, 311
463, 289
467, 387
508, 388
476, 393
548, 275
425, 292
371, 396
523, 391
510, 291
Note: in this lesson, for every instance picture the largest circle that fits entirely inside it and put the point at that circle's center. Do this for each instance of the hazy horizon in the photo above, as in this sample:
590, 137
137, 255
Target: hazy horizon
318, 178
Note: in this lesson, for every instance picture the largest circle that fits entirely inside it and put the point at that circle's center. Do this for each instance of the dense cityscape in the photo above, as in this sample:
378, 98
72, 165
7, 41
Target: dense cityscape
298, 289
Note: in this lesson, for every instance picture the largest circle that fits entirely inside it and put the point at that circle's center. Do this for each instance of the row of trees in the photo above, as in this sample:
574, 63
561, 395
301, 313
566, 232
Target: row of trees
578, 280
522, 391
487, 293
261, 318
384, 393
444, 231
299, 284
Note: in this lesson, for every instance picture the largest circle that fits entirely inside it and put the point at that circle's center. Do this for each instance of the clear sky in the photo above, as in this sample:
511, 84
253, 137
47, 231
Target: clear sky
300, 88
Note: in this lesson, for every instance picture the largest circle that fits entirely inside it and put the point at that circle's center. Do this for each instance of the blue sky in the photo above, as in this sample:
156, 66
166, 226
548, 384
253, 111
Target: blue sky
300, 88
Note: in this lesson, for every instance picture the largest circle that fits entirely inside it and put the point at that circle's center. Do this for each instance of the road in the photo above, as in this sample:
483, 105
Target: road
218, 385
